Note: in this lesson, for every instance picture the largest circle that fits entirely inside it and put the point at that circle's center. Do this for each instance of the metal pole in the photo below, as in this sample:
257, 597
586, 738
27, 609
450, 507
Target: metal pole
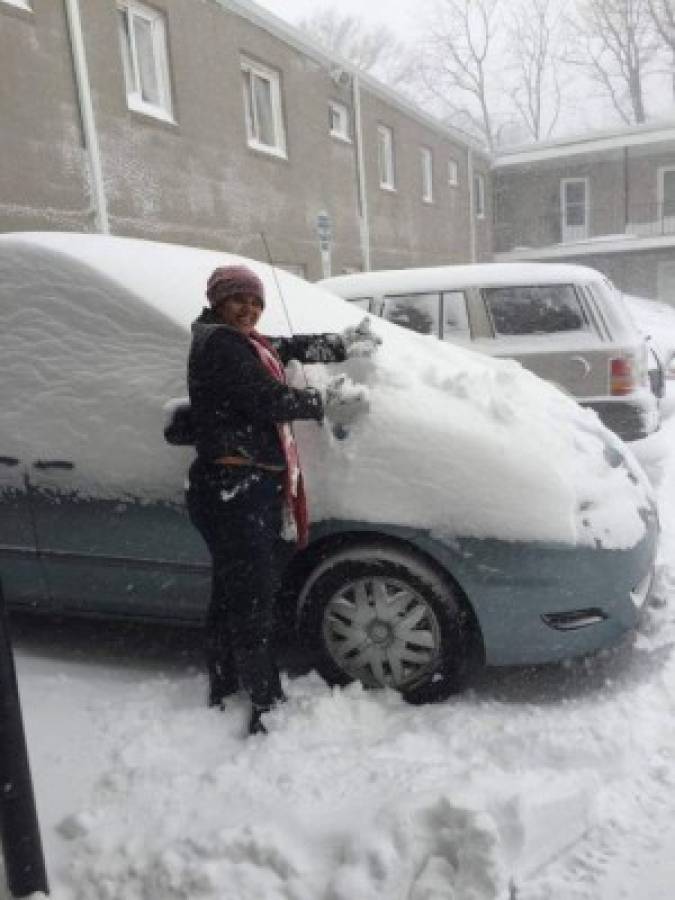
87, 113
19, 828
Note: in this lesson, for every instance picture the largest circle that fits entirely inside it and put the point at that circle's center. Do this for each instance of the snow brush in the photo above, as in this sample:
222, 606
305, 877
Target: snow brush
339, 431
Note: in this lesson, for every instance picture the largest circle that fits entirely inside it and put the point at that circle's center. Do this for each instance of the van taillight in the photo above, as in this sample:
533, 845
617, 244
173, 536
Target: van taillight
622, 376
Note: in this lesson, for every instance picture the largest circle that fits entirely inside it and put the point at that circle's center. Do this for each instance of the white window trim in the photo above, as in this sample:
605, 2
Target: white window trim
660, 193
564, 228
427, 163
272, 75
479, 194
343, 111
164, 109
388, 177
453, 172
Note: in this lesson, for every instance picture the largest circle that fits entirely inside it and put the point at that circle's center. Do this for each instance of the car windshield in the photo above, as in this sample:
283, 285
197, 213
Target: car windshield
534, 310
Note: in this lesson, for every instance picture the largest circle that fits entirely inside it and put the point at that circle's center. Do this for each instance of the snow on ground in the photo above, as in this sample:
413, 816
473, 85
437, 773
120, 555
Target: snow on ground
559, 778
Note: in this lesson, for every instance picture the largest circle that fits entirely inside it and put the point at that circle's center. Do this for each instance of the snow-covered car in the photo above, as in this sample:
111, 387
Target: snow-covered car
567, 324
474, 512
656, 320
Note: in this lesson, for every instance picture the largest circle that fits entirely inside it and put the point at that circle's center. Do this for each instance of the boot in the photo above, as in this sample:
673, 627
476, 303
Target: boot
221, 685
256, 724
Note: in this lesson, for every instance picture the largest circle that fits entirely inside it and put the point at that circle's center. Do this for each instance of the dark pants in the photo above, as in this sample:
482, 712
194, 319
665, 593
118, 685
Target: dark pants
238, 511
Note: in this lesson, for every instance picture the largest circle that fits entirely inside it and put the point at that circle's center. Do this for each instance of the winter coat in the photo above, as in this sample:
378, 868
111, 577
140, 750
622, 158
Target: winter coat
236, 403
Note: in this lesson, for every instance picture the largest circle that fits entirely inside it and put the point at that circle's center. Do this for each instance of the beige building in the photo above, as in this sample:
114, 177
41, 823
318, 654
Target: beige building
606, 200
213, 123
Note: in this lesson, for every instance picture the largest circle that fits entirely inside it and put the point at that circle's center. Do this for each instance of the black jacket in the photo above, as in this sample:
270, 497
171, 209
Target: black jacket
236, 403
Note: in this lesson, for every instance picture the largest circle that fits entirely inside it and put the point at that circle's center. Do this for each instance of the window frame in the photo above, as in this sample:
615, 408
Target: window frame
159, 36
385, 157
437, 323
587, 325
479, 189
661, 194
427, 163
344, 134
571, 233
453, 172
251, 68
446, 293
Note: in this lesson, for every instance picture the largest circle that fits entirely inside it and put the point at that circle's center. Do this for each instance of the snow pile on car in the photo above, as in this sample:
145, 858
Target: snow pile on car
95, 332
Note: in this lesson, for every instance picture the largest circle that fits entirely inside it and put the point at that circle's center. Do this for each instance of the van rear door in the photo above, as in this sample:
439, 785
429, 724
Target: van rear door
551, 331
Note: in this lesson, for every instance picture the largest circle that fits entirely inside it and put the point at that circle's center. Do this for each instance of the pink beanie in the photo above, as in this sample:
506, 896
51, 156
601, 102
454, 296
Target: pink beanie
225, 281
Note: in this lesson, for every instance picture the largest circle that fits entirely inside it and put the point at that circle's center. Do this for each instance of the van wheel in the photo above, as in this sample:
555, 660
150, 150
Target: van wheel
383, 617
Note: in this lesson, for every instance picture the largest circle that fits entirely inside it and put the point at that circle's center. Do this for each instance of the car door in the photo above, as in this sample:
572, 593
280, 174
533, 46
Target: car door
105, 491
20, 568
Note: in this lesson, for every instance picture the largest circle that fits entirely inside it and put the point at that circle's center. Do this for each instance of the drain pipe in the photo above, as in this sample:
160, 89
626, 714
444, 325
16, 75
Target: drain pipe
87, 113
364, 224
472, 206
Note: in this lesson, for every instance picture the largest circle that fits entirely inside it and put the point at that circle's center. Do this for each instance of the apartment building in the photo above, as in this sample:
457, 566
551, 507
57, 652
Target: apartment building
606, 200
213, 123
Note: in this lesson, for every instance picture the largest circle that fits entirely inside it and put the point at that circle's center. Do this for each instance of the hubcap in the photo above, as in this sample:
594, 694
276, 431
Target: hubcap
382, 632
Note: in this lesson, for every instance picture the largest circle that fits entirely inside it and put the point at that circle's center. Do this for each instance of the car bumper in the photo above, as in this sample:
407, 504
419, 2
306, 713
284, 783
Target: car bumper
546, 604
631, 419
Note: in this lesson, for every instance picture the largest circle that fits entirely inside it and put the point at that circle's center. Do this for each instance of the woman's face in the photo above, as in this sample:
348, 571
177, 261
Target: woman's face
240, 311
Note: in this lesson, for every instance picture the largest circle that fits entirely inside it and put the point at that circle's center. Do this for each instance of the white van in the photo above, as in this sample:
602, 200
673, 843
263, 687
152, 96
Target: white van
567, 324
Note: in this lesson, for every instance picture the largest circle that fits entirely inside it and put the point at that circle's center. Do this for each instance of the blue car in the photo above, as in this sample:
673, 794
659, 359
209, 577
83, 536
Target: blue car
475, 514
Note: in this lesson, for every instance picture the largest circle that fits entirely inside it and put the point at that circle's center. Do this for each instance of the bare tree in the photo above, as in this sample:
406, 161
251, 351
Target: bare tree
458, 49
615, 43
534, 34
663, 17
374, 49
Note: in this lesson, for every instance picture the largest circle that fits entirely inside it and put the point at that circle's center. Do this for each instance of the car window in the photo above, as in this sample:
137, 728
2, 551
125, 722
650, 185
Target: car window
455, 317
535, 309
418, 312
362, 302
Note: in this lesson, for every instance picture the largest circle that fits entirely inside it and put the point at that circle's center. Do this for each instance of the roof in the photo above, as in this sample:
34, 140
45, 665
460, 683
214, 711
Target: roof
301, 41
593, 142
437, 278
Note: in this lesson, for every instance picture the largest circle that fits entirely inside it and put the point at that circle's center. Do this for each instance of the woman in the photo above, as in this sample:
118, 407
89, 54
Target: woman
245, 492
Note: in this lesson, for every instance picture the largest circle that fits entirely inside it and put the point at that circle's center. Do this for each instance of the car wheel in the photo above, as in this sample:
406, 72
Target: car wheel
387, 619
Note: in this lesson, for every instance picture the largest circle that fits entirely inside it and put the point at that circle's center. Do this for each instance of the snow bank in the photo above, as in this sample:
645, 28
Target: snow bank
94, 334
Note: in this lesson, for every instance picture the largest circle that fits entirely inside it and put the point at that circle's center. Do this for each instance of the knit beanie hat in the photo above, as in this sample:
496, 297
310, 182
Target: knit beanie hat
225, 281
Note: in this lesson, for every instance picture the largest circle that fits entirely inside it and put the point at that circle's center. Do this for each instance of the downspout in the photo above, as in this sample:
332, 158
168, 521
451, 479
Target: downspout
472, 207
87, 113
364, 224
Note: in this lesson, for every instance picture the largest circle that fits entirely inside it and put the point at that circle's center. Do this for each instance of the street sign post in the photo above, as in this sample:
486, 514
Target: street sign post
19, 828
324, 230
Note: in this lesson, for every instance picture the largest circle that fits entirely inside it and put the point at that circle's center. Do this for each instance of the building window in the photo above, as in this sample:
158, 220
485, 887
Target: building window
574, 209
262, 105
427, 161
667, 196
338, 120
479, 195
385, 157
145, 59
453, 173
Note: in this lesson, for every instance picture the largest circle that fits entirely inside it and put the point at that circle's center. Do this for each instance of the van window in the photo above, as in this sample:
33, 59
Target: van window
534, 310
418, 312
362, 302
455, 318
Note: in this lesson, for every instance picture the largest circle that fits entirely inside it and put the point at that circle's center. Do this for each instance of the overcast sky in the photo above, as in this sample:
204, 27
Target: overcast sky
395, 13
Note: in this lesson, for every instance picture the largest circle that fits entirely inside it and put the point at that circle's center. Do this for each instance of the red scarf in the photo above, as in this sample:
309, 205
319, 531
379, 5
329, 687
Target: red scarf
296, 501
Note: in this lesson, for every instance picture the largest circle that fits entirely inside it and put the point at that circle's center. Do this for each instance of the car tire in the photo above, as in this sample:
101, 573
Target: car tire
388, 619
